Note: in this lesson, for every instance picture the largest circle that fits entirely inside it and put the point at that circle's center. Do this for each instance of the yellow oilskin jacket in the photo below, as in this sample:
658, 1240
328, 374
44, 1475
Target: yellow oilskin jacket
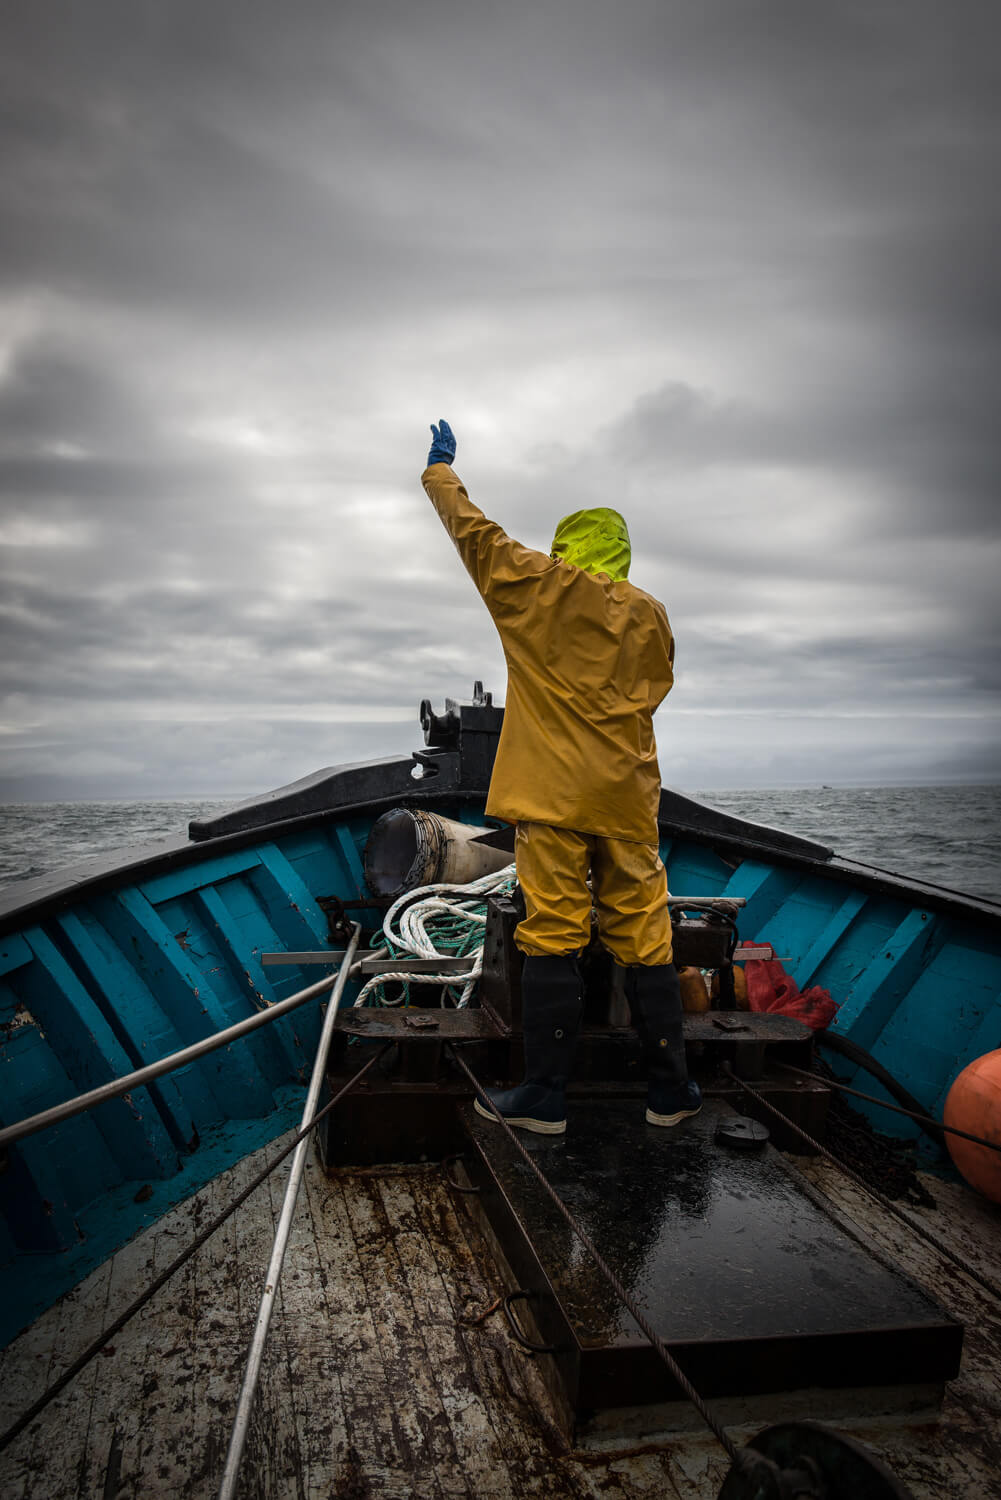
588, 662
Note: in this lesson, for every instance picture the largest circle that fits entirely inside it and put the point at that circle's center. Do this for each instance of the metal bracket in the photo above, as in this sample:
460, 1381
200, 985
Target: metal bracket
517, 1332
421, 1022
727, 1021
452, 1182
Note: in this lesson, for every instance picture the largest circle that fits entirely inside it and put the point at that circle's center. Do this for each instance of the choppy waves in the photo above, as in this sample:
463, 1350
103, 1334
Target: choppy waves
949, 835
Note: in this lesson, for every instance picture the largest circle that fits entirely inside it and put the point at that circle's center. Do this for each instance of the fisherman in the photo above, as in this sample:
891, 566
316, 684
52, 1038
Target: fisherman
589, 659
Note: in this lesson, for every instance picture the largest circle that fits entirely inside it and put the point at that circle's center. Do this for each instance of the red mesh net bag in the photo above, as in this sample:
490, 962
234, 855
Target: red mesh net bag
770, 988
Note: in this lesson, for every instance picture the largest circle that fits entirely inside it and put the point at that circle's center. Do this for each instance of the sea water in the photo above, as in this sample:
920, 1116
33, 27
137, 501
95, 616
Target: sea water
950, 835
37, 838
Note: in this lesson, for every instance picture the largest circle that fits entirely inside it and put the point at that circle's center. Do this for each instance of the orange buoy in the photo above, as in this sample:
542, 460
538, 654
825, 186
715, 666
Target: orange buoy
974, 1104
694, 995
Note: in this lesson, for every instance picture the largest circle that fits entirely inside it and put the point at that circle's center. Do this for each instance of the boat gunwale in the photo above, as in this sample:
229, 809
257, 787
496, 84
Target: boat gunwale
23, 902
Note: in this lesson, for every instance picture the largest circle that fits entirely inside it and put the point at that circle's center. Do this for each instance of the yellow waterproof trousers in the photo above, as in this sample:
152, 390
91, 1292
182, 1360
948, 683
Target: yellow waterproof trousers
630, 894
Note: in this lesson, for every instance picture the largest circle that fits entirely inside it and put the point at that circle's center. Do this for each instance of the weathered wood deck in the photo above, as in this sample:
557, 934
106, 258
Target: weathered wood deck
375, 1384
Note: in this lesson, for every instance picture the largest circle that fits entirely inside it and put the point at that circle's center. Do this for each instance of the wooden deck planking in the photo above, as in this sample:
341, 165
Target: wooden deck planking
371, 1438
421, 1436
371, 1383
57, 1446
451, 1273
963, 1447
271, 1457
337, 1346
314, 1381
165, 1351
62, 1450
230, 1274
494, 1363
477, 1448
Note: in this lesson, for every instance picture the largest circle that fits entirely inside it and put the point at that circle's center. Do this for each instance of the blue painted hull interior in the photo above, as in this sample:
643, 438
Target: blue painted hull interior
107, 974
121, 977
918, 988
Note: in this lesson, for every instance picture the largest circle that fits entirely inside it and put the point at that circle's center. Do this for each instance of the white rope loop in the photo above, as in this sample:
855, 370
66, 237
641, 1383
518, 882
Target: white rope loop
462, 905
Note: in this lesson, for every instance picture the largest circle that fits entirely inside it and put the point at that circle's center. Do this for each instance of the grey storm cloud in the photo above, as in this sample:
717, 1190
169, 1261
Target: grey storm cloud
729, 267
930, 442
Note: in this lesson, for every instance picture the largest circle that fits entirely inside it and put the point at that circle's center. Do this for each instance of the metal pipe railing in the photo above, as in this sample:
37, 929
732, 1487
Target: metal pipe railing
118, 1086
241, 1422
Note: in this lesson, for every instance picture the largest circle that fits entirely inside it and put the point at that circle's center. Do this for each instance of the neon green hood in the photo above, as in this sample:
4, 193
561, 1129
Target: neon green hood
596, 540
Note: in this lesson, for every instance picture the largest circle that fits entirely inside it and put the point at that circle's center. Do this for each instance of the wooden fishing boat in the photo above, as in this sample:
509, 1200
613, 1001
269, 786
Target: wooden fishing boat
388, 1375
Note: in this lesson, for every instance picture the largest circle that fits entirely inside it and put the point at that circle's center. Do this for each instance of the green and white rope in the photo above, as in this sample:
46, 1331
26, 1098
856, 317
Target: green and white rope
438, 921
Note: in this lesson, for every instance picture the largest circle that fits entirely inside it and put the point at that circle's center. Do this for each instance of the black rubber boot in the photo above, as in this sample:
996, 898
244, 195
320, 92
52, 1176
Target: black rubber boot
654, 995
552, 995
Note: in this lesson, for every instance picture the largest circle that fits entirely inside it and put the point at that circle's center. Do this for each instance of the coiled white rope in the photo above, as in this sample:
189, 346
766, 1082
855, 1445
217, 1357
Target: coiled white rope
459, 910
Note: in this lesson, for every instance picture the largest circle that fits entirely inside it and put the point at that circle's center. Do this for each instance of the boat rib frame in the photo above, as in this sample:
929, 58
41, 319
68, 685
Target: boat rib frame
116, 1087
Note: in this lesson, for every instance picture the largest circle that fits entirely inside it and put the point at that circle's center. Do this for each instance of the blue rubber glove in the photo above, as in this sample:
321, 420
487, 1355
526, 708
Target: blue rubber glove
443, 447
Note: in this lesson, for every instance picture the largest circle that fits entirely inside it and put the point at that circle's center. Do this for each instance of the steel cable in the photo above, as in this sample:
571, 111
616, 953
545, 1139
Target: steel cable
918, 1229
898, 1109
736, 1455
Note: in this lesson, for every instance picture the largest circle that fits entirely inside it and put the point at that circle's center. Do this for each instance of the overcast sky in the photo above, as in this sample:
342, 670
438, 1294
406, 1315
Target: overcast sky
730, 266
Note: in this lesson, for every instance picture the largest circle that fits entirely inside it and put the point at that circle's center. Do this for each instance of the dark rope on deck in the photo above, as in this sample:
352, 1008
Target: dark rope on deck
898, 1109
737, 1456
73, 1370
887, 1203
887, 1161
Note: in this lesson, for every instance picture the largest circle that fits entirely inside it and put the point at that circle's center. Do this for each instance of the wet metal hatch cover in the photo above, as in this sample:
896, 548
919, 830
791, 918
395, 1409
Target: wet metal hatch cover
753, 1285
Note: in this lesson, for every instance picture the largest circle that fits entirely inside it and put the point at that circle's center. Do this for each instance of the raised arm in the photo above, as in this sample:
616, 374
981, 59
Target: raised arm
494, 561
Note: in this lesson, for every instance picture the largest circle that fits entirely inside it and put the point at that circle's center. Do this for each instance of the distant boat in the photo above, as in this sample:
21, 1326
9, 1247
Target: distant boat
125, 960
